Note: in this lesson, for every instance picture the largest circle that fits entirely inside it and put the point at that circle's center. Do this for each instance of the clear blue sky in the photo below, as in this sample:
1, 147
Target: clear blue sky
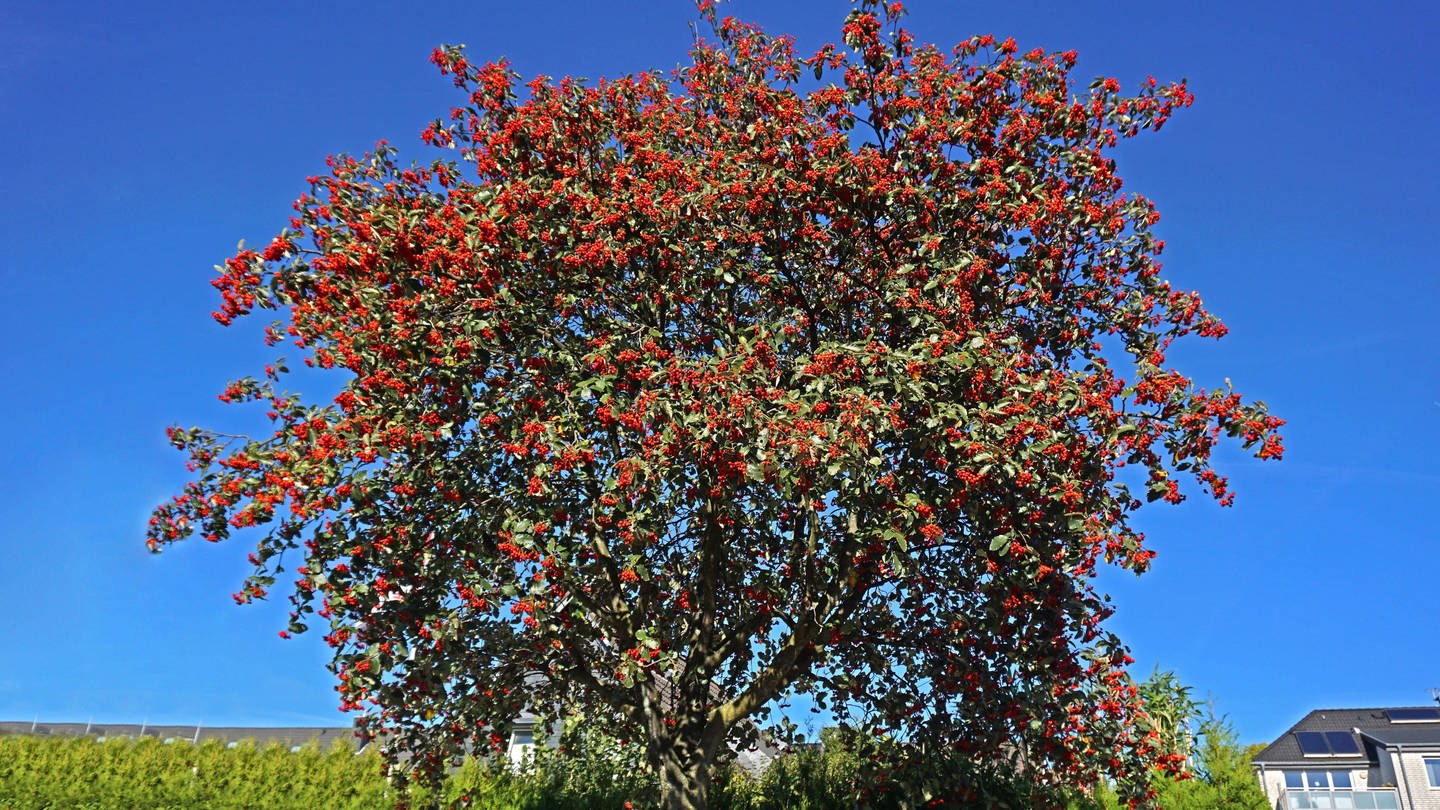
141, 140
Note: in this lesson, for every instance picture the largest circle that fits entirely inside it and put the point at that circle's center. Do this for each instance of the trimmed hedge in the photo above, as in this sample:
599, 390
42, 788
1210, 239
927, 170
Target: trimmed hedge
82, 773
591, 773
85, 774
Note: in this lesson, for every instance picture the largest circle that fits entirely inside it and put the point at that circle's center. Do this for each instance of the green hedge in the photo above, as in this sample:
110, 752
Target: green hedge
591, 772
81, 773
86, 774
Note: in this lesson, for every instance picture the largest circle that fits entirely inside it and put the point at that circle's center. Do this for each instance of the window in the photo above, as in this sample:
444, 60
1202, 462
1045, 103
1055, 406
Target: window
522, 745
1332, 790
1432, 772
1321, 780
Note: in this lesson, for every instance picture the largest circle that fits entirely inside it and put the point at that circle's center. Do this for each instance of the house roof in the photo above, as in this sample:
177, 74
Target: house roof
1373, 724
1416, 734
289, 736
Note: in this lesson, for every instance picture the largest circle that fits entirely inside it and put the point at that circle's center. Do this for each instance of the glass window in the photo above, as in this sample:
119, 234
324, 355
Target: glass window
1340, 779
1294, 779
1317, 779
1432, 771
1375, 800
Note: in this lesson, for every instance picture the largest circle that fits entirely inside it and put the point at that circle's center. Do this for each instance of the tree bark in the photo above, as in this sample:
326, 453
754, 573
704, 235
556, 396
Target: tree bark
684, 779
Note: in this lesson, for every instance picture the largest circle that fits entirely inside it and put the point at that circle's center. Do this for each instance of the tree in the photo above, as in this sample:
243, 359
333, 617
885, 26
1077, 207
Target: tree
680, 395
1171, 712
1224, 779
1215, 769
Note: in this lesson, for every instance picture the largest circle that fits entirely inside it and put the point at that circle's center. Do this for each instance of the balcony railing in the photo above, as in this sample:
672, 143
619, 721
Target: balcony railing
1340, 799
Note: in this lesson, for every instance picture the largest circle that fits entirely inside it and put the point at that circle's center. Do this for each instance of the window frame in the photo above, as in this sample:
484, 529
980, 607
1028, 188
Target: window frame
1304, 776
1432, 771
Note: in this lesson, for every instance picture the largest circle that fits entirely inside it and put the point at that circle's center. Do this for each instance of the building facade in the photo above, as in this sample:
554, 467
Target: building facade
1371, 759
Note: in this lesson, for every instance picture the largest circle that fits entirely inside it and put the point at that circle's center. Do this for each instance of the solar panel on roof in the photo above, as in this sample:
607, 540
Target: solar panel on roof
1422, 715
1312, 743
1342, 743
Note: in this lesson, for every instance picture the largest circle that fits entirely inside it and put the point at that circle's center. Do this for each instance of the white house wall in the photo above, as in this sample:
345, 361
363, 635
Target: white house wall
1414, 786
1274, 784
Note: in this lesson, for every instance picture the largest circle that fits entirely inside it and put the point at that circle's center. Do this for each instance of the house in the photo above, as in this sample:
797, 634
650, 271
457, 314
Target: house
1385, 758
289, 737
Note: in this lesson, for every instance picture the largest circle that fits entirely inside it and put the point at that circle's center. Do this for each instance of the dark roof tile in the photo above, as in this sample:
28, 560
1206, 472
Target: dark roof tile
1372, 722
1417, 734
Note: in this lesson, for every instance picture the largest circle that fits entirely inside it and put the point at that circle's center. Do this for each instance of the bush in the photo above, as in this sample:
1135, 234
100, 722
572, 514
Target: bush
809, 779
83, 773
88, 774
589, 770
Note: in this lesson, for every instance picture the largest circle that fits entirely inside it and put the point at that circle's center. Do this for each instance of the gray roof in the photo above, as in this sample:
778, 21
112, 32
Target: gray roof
1373, 724
1420, 735
290, 736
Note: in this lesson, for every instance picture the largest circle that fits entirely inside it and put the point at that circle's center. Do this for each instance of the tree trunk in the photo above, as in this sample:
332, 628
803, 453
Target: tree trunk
684, 779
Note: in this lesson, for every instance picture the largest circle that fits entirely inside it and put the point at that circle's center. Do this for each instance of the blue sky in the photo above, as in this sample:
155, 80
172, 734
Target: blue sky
142, 140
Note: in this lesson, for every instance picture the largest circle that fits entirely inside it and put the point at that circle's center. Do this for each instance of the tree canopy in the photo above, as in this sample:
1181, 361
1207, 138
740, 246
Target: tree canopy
677, 395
